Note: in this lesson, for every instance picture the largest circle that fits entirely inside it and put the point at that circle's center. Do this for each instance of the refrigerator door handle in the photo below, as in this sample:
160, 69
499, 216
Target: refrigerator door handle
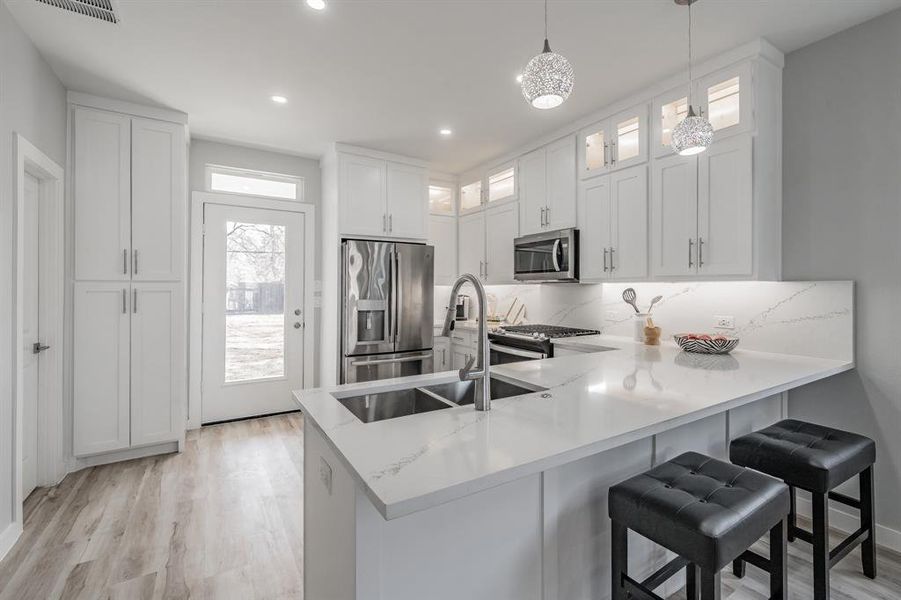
385, 361
398, 300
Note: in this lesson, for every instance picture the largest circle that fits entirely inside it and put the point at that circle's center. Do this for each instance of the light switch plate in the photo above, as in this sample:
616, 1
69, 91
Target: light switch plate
724, 322
325, 475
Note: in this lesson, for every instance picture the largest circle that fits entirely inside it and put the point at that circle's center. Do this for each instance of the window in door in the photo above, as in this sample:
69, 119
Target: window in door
628, 139
723, 104
471, 195
595, 151
671, 114
232, 180
502, 185
441, 200
254, 301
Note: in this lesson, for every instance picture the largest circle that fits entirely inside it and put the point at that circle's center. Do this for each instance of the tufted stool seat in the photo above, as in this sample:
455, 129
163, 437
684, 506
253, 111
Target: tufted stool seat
817, 459
707, 511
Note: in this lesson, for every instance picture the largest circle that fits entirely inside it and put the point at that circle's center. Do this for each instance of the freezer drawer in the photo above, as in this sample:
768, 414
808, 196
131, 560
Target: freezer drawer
386, 366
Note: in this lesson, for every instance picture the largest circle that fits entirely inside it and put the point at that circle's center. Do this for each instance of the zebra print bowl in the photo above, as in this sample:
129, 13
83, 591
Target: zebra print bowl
706, 344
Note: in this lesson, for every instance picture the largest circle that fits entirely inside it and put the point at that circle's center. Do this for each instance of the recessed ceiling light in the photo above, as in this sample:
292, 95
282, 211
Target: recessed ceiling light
519, 78
279, 99
316, 4
445, 131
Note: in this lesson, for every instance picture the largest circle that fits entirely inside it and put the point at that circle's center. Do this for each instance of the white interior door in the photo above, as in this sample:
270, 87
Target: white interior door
253, 311
30, 334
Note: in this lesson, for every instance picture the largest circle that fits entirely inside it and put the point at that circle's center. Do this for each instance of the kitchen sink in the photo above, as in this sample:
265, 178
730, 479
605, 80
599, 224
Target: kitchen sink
390, 405
463, 392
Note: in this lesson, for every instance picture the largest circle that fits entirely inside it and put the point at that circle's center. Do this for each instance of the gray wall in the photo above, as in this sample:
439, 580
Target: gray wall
204, 152
842, 220
32, 103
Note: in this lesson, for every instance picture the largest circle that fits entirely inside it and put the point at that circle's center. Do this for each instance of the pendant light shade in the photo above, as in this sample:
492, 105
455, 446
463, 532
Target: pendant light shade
694, 133
548, 78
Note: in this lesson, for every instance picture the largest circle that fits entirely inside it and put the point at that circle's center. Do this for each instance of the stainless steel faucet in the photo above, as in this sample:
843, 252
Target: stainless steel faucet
481, 360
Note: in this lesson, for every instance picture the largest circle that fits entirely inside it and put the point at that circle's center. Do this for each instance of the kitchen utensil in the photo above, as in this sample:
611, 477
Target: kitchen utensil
522, 307
654, 301
510, 310
705, 344
629, 297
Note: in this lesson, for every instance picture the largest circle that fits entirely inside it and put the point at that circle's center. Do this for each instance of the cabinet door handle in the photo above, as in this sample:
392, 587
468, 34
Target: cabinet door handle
125, 262
612, 266
700, 252
134, 300
390, 223
547, 215
605, 153
612, 153
486, 270
384, 223
541, 218
124, 300
690, 244
134, 256
605, 259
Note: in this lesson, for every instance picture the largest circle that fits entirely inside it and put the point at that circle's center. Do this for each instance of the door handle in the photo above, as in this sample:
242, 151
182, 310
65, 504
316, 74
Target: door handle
125, 261
690, 244
612, 153
37, 348
547, 216
391, 223
297, 325
605, 153
700, 252
605, 259
124, 300
386, 361
554, 254
134, 300
384, 223
134, 256
612, 265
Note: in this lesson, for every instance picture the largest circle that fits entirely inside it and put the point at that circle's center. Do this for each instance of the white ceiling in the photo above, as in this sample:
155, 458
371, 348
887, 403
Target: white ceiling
387, 74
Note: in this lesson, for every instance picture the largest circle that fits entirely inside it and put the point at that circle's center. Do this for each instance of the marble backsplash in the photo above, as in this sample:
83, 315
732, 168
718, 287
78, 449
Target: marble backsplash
811, 318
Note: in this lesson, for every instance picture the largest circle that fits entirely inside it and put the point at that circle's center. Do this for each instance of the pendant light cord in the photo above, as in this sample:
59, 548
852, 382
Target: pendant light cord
545, 19
689, 52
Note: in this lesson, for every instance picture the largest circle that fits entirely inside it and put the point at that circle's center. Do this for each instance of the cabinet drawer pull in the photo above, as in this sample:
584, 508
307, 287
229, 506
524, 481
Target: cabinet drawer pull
690, 244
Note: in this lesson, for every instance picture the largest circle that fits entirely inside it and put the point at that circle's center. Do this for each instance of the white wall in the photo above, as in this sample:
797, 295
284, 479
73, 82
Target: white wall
842, 220
204, 152
32, 103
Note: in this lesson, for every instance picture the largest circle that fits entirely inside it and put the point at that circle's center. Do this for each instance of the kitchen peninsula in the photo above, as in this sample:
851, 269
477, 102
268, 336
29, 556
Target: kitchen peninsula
511, 503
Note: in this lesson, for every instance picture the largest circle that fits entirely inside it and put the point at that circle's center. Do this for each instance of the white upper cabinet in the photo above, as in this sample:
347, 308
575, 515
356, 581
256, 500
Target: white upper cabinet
362, 195
674, 215
502, 183
407, 201
470, 196
442, 199
617, 142
380, 198
443, 236
471, 244
547, 188
102, 184
594, 228
725, 215
157, 199
501, 228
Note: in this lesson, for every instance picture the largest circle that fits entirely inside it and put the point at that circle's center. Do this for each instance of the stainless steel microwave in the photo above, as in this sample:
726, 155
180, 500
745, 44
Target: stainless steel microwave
547, 256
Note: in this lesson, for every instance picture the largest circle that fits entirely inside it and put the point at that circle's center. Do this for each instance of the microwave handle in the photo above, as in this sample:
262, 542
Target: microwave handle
554, 254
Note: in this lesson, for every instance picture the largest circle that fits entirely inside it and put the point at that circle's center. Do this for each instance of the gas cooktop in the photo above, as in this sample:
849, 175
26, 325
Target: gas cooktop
546, 331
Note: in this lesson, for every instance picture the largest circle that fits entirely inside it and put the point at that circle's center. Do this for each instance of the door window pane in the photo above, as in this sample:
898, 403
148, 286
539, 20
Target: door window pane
723, 104
594, 151
501, 185
471, 195
671, 114
627, 139
254, 301
441, 200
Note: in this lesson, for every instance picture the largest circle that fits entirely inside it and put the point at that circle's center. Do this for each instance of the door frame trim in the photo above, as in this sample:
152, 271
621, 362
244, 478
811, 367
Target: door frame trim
195, 317
50, 462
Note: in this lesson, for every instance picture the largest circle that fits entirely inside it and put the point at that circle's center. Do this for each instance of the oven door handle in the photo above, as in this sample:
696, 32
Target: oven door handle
385, 361
516, 351
554, 254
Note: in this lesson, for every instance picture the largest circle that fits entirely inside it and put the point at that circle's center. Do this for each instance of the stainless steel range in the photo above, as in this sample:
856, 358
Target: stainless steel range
516, 343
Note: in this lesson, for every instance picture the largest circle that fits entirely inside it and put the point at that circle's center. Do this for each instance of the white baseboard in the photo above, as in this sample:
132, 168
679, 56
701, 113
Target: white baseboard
129, 454
9, 537
848, 523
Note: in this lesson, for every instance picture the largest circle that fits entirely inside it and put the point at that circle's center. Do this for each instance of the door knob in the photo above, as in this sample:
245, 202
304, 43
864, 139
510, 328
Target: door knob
37, 348
298, 325
297, 311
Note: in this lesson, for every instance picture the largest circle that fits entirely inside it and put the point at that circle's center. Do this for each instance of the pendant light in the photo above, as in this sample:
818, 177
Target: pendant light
548, 78
694, 133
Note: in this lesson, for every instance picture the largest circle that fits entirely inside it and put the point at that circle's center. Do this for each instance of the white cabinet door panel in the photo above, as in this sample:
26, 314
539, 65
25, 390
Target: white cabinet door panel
471, 240
561, 184
501, 228
629, 223
674, 216
156, 363
725, 215
102, 184
362, 203
408, 201
443, 236
594, 228
532, 191
158, 199
101, 367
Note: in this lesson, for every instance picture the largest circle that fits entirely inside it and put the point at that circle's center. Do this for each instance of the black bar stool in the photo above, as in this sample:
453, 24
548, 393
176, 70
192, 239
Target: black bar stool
816, 459
709, 513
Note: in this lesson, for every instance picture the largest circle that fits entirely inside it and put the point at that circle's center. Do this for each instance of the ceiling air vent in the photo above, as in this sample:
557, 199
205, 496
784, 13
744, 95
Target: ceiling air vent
98, 9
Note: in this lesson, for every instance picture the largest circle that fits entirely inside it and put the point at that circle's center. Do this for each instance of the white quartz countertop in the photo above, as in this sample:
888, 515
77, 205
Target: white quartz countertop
594, 402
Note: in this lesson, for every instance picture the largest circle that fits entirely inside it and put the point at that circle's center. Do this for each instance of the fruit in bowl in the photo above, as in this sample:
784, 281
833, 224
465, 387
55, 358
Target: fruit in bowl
703, 343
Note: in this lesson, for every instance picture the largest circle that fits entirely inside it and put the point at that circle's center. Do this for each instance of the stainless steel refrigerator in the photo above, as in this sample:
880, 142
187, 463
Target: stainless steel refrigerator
387, 310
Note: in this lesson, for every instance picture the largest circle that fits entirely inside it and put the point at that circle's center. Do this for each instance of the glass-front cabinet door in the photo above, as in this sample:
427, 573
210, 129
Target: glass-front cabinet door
470, 196
595, 151
725, 98
617, 142
667, 111
502, 183
441, 198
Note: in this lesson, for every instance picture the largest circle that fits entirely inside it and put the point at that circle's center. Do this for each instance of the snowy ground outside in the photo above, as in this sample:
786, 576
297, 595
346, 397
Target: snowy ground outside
254, 346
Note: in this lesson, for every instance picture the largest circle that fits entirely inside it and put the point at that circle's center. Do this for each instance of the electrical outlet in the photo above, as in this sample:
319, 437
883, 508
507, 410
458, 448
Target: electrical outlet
724, 322
611, 315
325, 475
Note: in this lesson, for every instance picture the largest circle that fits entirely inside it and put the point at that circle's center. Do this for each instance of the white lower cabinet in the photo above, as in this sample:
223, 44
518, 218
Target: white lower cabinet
442, 354
127, 365
443, 236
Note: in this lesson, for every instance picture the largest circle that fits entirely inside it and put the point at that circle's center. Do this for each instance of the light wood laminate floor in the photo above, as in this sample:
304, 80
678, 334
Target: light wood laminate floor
224, 520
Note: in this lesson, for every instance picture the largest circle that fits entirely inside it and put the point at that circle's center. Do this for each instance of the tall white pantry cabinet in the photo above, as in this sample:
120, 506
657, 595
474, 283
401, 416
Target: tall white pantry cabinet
128, 170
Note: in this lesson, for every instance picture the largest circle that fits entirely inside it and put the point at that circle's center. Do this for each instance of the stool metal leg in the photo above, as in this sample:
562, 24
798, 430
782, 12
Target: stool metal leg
793, 514
820, 546
619, 559
691, 582
868, 522
738, 568
779, 561
710, 585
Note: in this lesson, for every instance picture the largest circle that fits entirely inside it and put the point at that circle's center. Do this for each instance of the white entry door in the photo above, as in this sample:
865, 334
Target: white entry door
253, 311
31, 334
